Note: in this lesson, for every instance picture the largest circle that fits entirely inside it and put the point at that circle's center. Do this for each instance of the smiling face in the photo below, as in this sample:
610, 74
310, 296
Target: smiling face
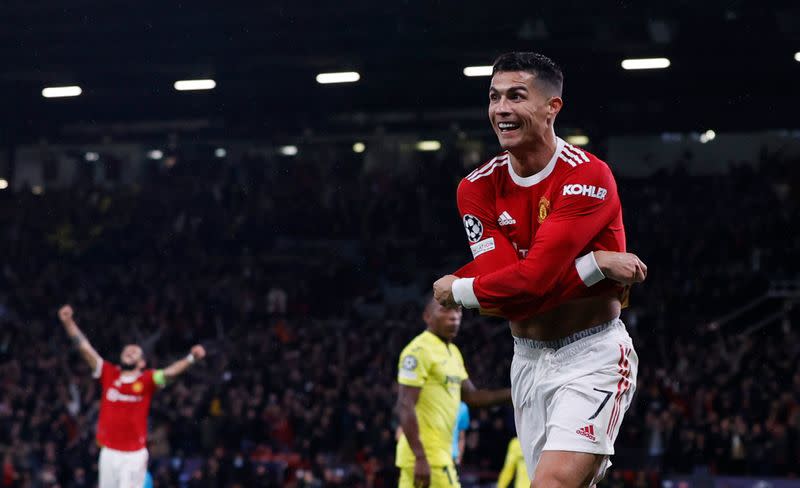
522, 110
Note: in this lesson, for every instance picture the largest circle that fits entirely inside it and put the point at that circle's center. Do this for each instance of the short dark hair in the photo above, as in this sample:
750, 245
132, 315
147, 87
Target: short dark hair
539, 65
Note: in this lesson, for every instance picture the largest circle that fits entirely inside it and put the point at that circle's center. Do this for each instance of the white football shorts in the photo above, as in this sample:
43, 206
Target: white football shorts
122, 469
571, 394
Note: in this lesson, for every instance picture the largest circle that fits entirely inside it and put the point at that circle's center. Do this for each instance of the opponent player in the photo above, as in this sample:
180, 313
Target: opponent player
514, 467
433, 380
538, 218
127, 390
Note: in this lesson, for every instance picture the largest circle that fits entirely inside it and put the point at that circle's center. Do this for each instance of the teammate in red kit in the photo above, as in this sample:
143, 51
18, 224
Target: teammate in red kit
127, 390
544, 222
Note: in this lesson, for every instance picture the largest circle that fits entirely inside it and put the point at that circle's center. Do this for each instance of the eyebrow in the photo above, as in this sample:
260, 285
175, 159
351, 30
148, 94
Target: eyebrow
511, 89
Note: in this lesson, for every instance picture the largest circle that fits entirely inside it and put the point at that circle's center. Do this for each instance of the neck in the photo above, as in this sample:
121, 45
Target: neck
444, 339
530, 160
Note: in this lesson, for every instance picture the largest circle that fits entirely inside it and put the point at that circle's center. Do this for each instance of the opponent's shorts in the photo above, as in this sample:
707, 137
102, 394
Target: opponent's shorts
122, 469
571, 394
441, 477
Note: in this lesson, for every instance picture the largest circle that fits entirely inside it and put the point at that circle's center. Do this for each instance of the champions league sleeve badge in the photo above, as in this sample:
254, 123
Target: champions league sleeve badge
474, 228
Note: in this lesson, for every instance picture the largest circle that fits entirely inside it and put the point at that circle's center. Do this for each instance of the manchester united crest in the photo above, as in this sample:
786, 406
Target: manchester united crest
137, 387
544, 209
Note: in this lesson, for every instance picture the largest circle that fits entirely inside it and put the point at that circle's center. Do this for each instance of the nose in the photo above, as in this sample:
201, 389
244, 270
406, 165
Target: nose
503, 107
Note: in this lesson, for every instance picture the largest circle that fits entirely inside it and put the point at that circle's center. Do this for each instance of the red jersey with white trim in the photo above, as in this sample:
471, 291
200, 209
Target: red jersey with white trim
124, 408
525, 233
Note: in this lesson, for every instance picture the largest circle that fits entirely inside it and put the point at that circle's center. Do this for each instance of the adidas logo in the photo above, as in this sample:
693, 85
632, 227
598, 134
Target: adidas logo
506, 219
587, 432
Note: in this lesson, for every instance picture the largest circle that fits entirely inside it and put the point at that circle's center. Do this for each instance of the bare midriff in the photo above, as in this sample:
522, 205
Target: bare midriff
568, 318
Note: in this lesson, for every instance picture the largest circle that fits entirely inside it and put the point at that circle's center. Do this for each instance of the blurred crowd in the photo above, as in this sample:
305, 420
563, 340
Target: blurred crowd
305, 278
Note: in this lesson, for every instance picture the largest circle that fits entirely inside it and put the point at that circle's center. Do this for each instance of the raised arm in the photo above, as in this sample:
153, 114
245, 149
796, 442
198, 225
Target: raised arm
177, 368
65, 314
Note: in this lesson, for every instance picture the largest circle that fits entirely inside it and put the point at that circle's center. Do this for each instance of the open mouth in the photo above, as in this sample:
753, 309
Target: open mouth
507, 126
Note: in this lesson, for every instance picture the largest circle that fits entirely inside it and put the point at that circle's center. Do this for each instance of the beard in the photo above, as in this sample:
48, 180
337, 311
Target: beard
127, 366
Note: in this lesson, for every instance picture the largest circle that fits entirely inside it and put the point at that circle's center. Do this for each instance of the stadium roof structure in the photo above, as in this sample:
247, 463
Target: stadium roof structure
731, 67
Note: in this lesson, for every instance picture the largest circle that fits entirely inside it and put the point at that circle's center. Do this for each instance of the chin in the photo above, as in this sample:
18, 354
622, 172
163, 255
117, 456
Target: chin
507, 144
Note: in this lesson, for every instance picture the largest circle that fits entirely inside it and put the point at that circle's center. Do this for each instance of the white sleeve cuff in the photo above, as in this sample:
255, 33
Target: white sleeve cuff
463, 293
98, 369
588, 269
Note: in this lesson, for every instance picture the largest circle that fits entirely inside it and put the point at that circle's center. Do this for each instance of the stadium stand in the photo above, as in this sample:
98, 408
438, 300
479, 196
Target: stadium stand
305, 280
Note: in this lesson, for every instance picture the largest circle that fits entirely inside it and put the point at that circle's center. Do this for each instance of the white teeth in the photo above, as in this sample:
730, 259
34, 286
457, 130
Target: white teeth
507, 126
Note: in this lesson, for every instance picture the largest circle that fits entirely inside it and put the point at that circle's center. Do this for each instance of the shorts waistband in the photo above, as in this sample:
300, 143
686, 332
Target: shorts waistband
565, 341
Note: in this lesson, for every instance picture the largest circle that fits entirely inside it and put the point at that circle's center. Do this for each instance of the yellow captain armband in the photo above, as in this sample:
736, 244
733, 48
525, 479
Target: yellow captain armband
159, 378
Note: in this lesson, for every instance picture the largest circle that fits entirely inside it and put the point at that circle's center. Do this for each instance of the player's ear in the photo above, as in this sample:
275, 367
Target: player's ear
554, 106
426, 315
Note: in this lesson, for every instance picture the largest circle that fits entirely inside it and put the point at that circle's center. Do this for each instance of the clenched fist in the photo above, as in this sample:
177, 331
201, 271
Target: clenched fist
623, 267
65, 314
443, 290
198, 351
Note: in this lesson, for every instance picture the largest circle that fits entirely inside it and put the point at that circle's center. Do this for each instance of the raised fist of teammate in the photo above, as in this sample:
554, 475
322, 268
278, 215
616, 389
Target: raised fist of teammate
198, 351
65, 314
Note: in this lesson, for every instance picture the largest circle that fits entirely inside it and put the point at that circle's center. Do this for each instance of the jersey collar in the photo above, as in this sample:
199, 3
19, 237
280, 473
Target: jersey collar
127, 379
533, 179
439, 339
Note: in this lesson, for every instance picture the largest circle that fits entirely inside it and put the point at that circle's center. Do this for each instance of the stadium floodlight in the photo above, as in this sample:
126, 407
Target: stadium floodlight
429, 145
359, 147
707, 136
155, 154
472, 71
189, 85
797, 56
61, 91
578, 140
340, 77
645, 63
288, 150
3, 184
220, 152
91, 156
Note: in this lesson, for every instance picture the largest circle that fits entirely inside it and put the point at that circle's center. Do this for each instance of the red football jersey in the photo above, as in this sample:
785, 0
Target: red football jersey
124, 408
527, 233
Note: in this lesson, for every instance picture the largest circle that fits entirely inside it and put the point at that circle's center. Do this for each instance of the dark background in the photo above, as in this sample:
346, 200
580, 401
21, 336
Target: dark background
304, 276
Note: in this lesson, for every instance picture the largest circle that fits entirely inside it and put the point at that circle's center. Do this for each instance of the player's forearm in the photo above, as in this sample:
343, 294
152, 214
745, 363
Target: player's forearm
553, 252
81, 343
487, 398
178, 367
408, 421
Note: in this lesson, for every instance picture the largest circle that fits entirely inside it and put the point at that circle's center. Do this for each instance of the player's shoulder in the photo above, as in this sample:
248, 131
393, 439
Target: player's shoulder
483, 173
572, 160
417, 345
